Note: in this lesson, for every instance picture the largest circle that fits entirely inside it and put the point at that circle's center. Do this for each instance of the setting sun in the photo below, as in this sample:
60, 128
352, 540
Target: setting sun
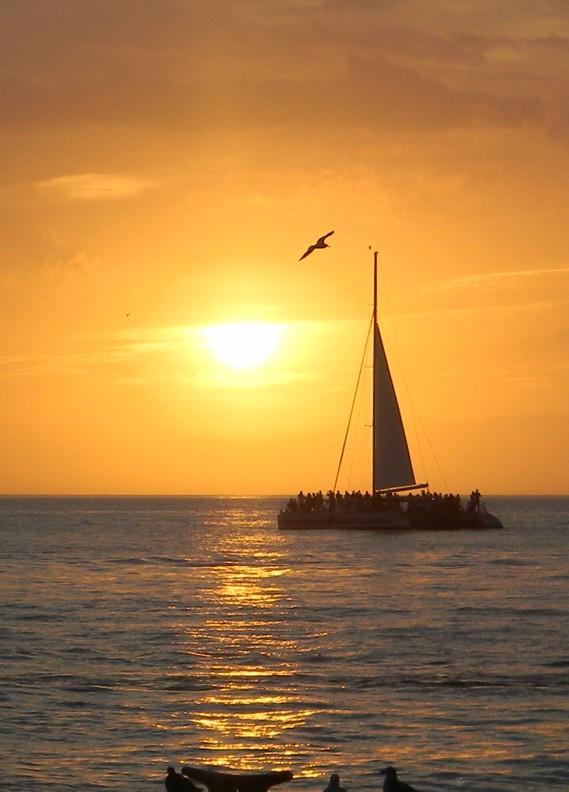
243, 345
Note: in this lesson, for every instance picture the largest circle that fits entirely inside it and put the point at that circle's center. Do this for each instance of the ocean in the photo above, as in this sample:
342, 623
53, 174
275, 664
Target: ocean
138, 633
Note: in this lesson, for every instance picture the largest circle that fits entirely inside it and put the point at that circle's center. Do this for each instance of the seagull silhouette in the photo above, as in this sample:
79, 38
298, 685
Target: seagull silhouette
320, 243
392, 783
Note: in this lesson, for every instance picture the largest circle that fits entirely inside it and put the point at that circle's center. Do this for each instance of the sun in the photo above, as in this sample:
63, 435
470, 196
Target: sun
243, 345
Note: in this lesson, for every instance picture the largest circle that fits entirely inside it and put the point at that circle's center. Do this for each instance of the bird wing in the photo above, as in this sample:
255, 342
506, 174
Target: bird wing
322, 238
320, 243
307, 252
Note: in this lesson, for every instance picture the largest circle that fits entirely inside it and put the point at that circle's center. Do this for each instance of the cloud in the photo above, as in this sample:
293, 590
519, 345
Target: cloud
229, 380
526, 293
372, 92
493, 278
196, 66
401, 96
94, 186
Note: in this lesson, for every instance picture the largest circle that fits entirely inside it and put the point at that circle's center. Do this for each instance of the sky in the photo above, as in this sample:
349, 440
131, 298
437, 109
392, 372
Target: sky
164, 166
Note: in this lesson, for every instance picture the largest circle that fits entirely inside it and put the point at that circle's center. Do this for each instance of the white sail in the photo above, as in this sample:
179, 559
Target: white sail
392, 466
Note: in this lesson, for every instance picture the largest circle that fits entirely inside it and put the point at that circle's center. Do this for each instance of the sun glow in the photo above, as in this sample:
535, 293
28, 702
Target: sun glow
243, 345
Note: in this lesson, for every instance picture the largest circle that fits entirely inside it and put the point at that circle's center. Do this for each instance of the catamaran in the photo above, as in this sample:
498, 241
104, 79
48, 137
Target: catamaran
392, 503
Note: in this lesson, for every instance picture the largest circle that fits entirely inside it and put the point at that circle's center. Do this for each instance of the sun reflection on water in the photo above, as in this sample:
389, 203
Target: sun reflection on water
247, 667
240, 585
258, 726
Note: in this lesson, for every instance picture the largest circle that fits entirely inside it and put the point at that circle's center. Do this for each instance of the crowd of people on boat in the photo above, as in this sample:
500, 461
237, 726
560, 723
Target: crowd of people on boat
424, 502
433, 504
347, 501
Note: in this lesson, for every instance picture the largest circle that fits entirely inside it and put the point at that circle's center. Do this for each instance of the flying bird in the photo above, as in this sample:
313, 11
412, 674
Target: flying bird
392, 783
320, 243
176, 782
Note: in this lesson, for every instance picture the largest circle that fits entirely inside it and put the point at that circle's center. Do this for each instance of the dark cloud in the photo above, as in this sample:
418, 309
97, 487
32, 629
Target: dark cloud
376, 94
559, 121
394, 95
194, 65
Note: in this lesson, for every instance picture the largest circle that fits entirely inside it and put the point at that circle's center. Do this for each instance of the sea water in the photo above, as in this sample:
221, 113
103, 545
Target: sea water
138, 633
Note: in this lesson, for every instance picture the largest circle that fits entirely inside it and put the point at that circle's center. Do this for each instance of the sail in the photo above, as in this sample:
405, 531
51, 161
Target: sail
392, 466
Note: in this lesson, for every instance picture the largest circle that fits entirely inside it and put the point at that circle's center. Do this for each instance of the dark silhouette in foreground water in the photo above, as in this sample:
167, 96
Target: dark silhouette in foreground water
176, 782
221, 781
392, 783
334, 784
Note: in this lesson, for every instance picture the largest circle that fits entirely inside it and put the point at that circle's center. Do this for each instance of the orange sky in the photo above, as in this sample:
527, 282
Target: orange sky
164, 165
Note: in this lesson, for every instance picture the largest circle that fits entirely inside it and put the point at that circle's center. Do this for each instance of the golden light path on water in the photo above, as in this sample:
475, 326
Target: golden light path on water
251, 699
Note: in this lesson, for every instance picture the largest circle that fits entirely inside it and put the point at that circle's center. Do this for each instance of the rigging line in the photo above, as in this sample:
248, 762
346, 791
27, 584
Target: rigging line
423, 436
431, 449
362, 364
360, 438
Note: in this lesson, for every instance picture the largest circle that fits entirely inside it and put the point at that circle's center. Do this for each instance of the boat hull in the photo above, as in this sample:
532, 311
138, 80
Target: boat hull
388, 520
361, 520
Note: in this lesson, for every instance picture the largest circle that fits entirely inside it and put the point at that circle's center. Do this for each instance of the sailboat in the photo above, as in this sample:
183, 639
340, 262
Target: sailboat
392, 503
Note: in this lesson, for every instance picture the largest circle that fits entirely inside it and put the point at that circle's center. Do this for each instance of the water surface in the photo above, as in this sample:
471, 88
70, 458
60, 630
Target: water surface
142, 632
